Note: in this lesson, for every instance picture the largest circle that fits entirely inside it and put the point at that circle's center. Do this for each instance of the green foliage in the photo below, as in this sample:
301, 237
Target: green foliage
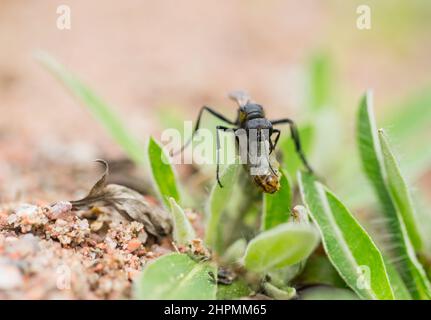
319, 270
176, 277
399, 192
275, 252
281, 246
320, 81
183, 231
382, 172
408, 124
100, 110
346, 243
236, 290
291, 161
276, 206
218, 200
162, 172
327, 293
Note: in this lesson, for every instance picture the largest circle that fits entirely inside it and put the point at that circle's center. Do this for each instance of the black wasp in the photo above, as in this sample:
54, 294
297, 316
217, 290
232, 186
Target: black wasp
251, 118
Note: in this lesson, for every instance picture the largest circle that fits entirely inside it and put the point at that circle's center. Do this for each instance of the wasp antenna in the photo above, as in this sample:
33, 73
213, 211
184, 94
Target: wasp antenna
240, 97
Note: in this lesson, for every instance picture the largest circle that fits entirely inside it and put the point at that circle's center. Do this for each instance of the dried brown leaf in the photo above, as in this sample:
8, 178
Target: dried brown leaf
130, 204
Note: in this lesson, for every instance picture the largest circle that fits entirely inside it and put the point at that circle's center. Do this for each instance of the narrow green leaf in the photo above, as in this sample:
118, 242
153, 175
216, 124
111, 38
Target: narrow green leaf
408, 124
320, 82
346, 243
400, 193
217, 203
282, 246
373, 164
176, 277
100, 110
398, 286
276, 206
163, 173
183, 231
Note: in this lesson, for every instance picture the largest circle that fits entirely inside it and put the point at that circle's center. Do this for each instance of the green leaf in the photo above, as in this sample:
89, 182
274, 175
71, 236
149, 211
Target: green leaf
238, 289
320, 82
100, 110
319, 270
176, 277
408, 124
235, 252
373, 164
163, 173
346, 243
291, 161
276, 206
400, 193
183, 231
282, 246
327, 293
218, 200
398, 286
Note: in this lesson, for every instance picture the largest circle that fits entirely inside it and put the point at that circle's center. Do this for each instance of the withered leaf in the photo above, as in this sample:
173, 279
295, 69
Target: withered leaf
130, 204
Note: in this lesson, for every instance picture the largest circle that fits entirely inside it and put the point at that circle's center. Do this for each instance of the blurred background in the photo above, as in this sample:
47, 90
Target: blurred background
158, 62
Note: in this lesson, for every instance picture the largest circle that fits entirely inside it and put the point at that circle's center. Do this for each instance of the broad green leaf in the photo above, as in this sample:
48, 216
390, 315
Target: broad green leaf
100, 110
183, 231
282, 246
327, 293
238, 289
346, 243
163, 173
373, 164
176, 277
400, 193
217, 203
291, 160
320, 82
276, 206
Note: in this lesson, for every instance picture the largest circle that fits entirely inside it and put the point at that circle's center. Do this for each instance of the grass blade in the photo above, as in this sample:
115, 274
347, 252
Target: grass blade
320, 82
176, 277
100, 110
163, 173
276, 207
282, 246
346, 243
407, 264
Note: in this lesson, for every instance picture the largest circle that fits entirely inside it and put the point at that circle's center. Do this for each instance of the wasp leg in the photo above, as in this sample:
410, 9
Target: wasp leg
218, 151
198, 121
274, 144
296, 140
